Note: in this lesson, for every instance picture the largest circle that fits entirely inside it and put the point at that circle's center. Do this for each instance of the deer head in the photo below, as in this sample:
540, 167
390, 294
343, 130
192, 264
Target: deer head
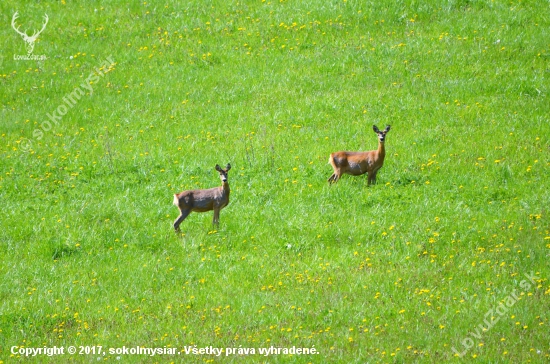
223, 172
381, 134
29, 40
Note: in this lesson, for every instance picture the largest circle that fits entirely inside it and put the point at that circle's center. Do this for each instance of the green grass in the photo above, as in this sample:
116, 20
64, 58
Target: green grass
400, 272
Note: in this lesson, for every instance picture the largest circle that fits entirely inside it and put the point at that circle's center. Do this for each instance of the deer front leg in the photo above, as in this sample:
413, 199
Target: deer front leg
183, 215
372, 178
216, 219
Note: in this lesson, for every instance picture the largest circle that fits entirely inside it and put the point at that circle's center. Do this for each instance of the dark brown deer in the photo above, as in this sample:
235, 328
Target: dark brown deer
358, 163
204, 200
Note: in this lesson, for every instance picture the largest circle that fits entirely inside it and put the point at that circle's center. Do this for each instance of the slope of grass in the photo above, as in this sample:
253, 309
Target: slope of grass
409, 270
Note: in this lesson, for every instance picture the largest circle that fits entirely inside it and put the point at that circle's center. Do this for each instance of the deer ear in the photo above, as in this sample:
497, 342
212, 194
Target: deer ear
375, 128
387, 128
228, 167
218, 168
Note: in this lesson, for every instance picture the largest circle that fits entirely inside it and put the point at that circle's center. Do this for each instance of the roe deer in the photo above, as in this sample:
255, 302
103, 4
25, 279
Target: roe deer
357, 163
204, 200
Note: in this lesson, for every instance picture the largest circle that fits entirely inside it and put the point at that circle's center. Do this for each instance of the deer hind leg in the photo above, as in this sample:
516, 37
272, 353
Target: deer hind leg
335, 177
183, 215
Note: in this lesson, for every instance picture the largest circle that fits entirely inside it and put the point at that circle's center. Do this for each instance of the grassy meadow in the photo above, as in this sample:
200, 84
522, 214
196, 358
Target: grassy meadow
444, 260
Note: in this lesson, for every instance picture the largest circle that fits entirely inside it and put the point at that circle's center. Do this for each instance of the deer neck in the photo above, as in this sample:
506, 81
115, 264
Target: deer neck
225, 188
381, 149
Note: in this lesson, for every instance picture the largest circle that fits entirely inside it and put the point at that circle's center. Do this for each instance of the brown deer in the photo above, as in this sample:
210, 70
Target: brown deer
204, 200
358, 163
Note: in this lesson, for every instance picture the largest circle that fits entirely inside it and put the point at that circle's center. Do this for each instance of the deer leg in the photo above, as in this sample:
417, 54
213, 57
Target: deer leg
372, 178
216, 219
183, 215
334, 178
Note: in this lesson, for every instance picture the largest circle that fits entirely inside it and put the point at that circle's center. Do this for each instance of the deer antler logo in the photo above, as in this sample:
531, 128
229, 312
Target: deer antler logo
29, 40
